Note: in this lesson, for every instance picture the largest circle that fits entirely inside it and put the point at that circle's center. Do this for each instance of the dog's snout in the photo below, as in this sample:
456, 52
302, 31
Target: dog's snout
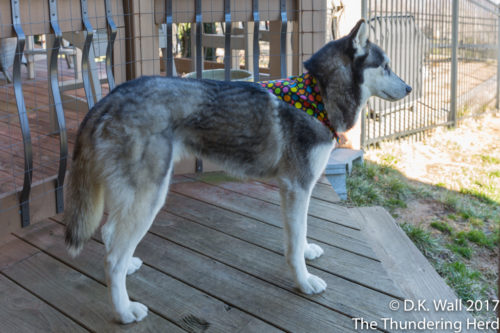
408, 89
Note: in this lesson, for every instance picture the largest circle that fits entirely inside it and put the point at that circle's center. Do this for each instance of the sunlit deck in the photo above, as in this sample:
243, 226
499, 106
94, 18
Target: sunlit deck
213, 262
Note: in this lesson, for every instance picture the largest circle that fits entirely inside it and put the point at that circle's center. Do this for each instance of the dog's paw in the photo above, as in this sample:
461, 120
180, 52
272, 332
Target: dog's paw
313, 285
134, 264
135, 312
312, 251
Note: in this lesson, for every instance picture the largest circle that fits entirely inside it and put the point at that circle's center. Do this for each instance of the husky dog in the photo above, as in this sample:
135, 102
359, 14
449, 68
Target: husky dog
127, 145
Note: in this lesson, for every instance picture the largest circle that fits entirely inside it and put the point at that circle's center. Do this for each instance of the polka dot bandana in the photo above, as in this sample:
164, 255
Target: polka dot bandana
303, 93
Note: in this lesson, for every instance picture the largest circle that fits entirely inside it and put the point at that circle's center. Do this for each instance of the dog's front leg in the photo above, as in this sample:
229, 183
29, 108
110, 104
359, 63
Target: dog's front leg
294, 203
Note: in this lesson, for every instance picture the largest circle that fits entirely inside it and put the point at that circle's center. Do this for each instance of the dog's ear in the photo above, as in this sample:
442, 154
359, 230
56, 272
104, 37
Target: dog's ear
359, 36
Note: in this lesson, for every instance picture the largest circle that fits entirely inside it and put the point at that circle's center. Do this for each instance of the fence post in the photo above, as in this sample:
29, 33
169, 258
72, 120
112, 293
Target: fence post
498, 58
452, 118
364, 15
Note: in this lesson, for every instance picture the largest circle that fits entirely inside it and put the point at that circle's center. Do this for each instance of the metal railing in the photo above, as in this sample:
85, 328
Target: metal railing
447, 50
40, 116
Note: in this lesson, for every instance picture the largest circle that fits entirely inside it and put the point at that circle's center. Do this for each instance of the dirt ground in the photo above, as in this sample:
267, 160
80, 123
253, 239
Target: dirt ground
461, 170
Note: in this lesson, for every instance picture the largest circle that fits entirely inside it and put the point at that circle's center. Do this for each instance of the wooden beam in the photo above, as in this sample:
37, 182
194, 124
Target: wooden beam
42, 205
35, 16
213, 11
217, 41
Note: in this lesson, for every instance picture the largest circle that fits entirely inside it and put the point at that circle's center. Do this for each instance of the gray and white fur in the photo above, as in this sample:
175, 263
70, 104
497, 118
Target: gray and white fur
127, 145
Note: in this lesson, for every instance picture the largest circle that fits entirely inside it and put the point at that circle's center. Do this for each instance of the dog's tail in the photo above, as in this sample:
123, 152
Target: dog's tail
85, 199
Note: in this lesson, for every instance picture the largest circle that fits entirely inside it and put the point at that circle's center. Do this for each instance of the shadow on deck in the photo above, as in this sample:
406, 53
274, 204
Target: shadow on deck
213, 262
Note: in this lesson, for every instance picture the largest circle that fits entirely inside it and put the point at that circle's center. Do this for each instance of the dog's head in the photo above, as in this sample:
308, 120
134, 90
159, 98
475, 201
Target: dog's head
350, 70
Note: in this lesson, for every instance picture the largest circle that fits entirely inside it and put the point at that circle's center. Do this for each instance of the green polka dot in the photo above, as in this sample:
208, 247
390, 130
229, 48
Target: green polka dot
309, 112
293, 89
301, 85
277, 90
285, 83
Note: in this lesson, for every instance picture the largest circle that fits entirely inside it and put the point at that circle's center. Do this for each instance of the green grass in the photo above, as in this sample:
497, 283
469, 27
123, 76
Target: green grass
453, 205
442, 226
470, 205
479, 194
462, 225
463, 251
465, 282
373, 184
489, 159
460, 238
421, 238
217, 177
481, 239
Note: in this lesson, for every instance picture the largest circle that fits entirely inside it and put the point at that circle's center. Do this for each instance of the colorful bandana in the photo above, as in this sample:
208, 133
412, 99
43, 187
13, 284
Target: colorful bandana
303, 93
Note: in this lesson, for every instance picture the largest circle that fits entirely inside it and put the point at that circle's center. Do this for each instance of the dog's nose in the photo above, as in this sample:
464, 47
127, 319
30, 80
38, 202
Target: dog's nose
408, 89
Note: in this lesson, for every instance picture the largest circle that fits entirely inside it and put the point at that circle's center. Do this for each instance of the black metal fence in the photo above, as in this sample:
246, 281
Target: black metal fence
110, 42
447, 50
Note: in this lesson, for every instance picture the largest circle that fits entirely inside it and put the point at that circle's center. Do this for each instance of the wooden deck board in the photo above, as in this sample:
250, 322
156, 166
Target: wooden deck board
318, 229
74, 294
231, 192
264, 190
208, 263
213, 258
340, 262
272, 268
214, 278
13, 250
241, 290
20, 311
417, 277
174, 299
252, 229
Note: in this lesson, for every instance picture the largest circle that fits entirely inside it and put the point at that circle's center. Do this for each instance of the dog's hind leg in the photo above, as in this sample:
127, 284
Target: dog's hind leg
294, 203
133, 265
121, 235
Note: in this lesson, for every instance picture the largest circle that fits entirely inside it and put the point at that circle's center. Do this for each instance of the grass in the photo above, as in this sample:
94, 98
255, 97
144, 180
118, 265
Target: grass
422, 239
489, 159
479, 237
442, 226
463, 251
378, 185
445, 194
465, 282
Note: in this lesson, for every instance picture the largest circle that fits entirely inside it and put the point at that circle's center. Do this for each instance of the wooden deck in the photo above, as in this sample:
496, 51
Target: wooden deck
213, 261
213, 258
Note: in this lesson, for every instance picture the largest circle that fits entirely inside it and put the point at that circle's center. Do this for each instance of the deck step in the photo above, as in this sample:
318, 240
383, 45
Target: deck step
339, 166
408, 267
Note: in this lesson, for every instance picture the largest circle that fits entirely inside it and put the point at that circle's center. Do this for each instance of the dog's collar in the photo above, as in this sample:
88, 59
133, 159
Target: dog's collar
303, 93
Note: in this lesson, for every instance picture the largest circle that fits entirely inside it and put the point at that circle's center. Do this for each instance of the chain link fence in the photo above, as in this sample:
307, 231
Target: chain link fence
447, 50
